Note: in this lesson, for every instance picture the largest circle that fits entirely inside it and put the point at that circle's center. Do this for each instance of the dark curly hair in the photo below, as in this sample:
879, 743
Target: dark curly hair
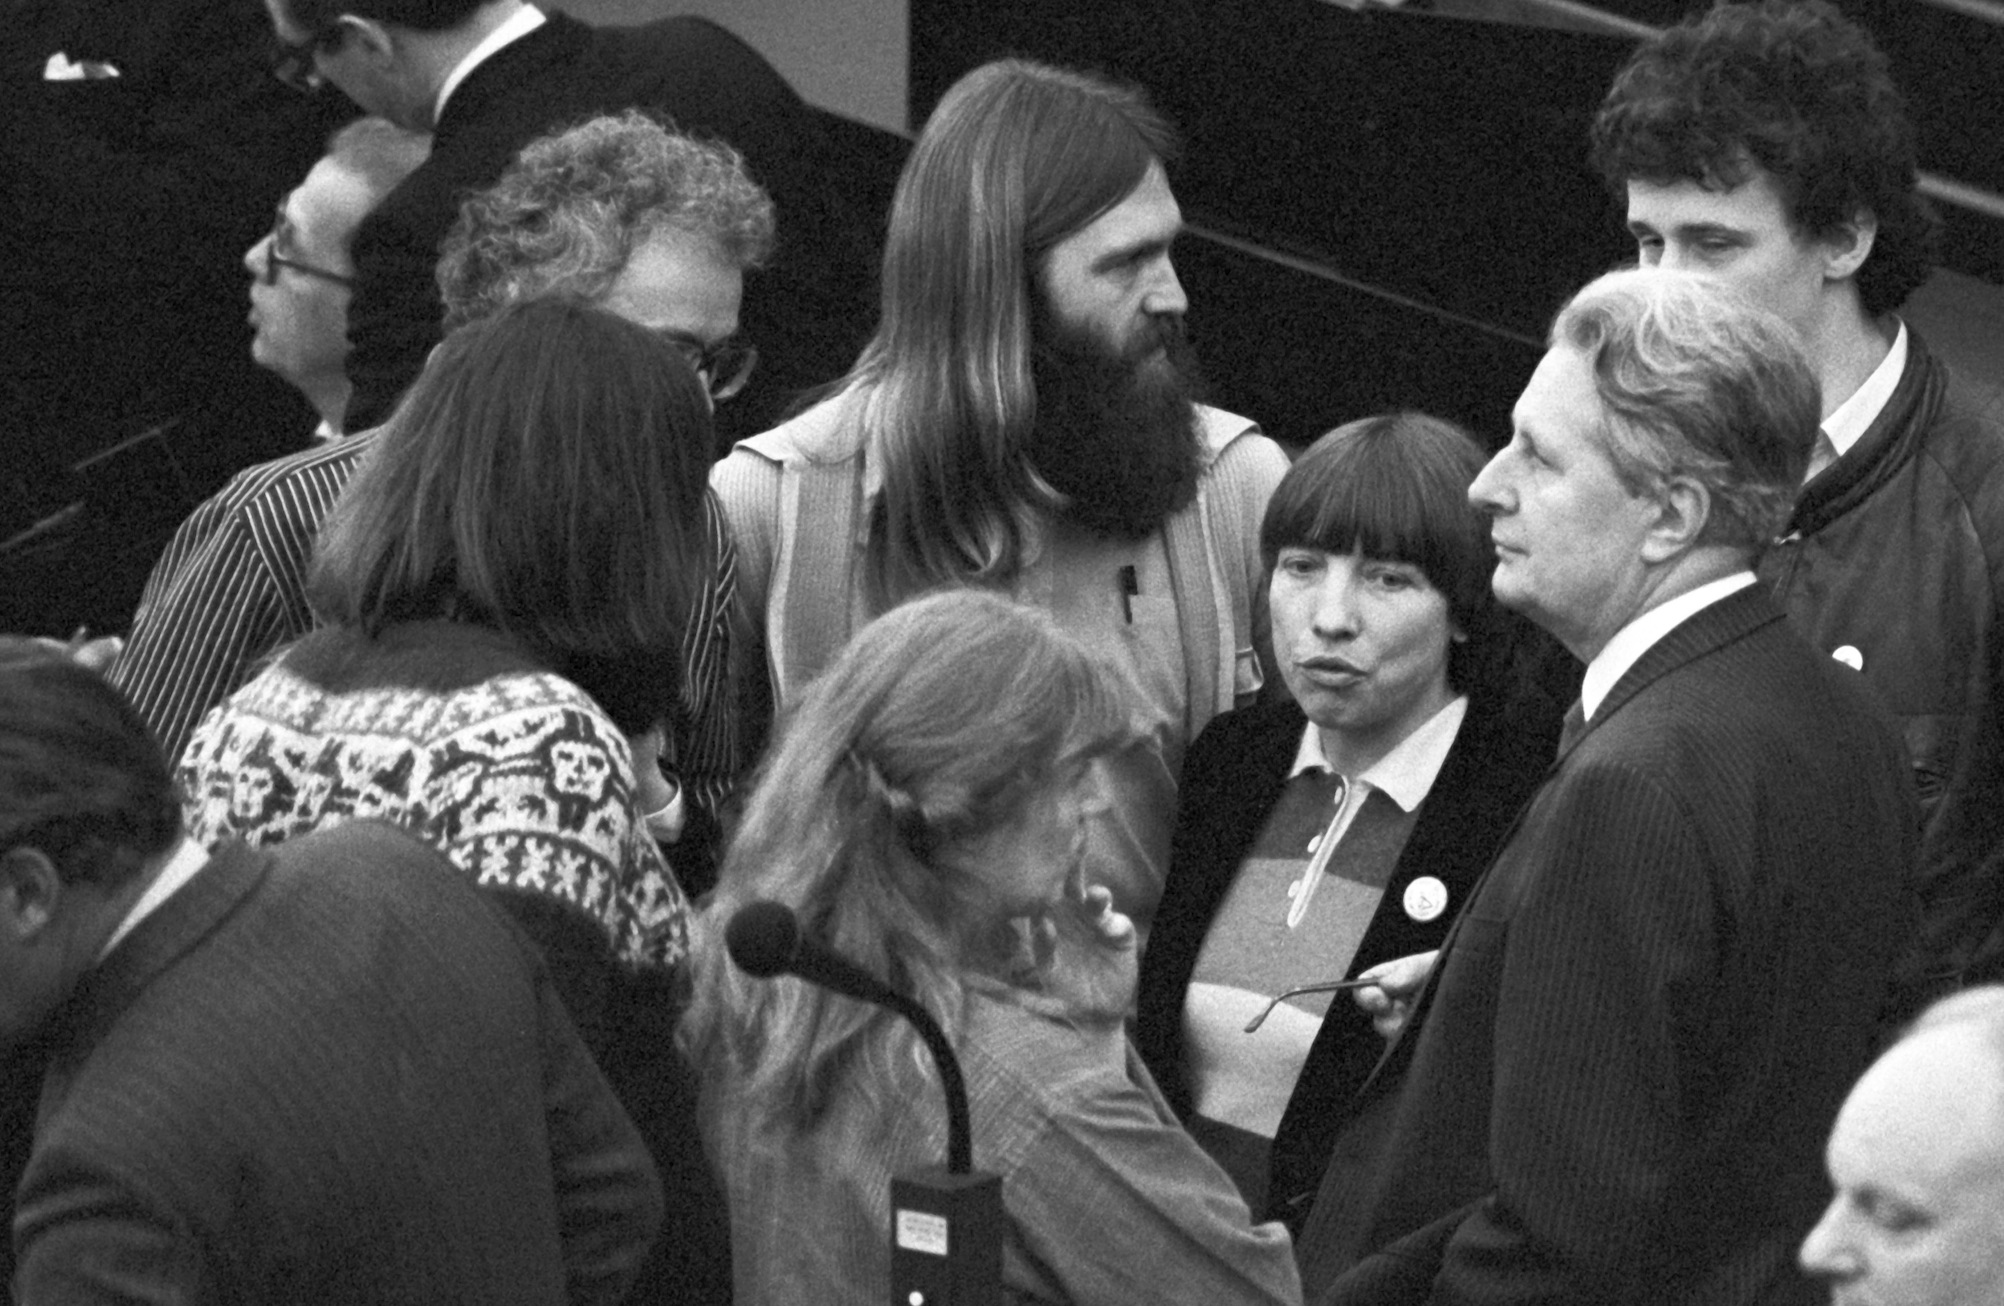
1793, 88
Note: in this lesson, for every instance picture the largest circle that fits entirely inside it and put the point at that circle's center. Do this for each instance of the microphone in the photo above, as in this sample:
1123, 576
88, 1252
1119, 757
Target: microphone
946, 1228
764, 939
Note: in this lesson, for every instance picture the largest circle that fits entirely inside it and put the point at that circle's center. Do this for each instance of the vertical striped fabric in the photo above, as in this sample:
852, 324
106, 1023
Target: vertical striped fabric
230, 590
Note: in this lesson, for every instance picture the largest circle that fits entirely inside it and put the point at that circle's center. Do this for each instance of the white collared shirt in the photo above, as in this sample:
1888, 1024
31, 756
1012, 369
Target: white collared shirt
1852, 418
188, 857
1405, 775
1640, 635
518, 25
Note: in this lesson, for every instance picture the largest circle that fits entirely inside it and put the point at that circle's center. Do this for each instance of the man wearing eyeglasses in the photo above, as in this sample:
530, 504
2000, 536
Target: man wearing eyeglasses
487, 77
302, 271
649, 224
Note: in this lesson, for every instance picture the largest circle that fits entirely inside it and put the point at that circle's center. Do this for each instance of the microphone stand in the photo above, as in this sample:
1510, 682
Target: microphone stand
946, 1224
959, 1122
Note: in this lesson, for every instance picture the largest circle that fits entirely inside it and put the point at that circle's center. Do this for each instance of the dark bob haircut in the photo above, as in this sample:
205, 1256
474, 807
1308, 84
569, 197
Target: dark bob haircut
1395, 487
1796, 89
545, 477
81, 777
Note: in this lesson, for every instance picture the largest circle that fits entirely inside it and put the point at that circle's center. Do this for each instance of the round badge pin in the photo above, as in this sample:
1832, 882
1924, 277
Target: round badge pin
1426, 898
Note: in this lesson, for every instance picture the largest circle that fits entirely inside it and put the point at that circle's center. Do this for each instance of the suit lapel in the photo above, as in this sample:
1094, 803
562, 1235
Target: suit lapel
1706, 631
1256, 783
499, 78
156, 944
1242, 790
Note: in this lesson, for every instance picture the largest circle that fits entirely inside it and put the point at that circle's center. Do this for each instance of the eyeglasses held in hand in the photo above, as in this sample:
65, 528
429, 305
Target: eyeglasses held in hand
1328, 986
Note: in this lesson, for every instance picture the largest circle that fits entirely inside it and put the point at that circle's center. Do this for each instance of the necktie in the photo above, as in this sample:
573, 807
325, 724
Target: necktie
1574, 727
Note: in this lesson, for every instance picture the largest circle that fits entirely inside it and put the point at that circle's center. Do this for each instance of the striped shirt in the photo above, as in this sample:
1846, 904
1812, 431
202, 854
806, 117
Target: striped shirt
231, 590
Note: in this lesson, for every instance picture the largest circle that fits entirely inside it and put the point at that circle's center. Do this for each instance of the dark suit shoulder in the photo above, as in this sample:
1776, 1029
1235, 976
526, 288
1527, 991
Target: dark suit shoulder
1763, 690
699, 56
1769, 765
329, 1089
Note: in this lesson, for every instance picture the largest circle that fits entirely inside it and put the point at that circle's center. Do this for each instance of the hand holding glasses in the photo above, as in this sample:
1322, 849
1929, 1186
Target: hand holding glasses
1327, 986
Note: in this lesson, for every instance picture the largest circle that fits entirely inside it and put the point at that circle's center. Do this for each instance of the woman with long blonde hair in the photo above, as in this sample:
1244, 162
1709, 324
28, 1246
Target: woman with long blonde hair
923, 815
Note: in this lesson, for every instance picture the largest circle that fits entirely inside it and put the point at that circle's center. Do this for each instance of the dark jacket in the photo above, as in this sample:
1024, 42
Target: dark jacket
1617, 1085
1232, 779
328, 1072
808, 313
1896, 552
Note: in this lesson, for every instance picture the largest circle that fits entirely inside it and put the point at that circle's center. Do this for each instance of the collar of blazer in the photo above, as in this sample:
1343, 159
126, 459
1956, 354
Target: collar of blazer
1706, 631
1731, 619
499, 78
156, 943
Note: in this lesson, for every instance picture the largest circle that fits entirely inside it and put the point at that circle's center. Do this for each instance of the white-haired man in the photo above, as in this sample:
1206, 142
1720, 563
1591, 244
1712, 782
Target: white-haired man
1612, 1089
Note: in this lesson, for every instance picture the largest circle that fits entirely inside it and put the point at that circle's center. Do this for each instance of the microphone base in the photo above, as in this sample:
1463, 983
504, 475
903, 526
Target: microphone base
946, 1238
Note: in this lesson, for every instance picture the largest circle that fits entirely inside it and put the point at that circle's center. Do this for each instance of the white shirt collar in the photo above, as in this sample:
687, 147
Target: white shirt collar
188, 858
1852, 418
518, 25
1640, 635
1406, 774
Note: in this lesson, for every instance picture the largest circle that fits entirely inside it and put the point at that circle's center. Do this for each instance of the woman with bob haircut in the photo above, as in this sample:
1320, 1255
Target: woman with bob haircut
922, 815
1318, 838
502, 590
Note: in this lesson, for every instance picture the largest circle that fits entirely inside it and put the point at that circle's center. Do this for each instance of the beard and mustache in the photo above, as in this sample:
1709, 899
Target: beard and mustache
1116, 428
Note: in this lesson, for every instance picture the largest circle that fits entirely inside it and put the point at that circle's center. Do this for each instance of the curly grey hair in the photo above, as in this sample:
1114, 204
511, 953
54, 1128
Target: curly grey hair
569, 212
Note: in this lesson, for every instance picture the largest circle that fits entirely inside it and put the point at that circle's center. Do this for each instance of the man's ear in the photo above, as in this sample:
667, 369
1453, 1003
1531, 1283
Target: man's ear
1683, 506
1847, 247
30, 893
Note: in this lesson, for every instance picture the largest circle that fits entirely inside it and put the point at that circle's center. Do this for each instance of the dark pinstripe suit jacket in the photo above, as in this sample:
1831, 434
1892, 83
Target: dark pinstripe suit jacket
1642, 1026
328, 1072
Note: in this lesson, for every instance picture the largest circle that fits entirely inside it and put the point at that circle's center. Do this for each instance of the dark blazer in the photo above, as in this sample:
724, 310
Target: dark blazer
808, 313
328, 1072
1232, 778
1619, 1081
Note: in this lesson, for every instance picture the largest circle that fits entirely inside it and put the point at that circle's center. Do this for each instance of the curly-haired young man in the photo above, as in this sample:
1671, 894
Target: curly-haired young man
1765, 145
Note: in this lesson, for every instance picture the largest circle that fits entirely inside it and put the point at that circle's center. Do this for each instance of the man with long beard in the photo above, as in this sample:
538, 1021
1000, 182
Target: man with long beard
1024, 421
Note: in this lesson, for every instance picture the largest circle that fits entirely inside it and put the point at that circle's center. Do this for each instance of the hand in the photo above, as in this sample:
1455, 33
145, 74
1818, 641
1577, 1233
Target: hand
654, 793
1389, 1002
1090, 956
1114, 927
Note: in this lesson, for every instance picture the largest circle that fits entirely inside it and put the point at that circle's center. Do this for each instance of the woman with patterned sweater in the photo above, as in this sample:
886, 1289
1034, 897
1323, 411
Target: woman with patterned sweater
501, 592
